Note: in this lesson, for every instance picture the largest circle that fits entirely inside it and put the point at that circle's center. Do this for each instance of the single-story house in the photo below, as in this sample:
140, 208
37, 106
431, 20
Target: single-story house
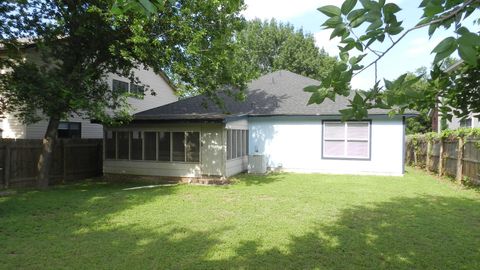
273, 124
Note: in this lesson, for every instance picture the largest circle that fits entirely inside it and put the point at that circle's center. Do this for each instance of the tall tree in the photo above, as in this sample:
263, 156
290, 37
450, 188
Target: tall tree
266, 46
363, 26
76, 43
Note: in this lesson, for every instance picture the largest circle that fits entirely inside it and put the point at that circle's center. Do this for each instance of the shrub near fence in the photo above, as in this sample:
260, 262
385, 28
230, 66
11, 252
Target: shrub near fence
452, 153
73, 159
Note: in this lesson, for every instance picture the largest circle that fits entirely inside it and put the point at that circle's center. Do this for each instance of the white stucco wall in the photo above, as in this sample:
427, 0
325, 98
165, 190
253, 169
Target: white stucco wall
295, 145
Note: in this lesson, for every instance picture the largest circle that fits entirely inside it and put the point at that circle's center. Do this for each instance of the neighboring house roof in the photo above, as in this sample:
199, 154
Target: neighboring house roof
277, 93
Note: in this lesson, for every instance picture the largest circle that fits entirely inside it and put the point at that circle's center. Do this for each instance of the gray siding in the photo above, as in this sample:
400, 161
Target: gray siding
13, 128
236, 166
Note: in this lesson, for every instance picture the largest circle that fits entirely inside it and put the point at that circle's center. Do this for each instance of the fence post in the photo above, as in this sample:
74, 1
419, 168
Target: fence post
441, 158
428, 155
64, 159
459, 173
415, 161
6, 166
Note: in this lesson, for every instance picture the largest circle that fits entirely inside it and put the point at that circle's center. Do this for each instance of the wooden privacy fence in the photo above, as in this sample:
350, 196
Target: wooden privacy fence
458, 158
73, 159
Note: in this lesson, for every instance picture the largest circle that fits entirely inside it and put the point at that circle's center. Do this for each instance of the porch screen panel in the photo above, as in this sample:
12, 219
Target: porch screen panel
234, 144
136, 145
110, 145
229, 144
150, 145
192, 146
123, 144
164, 146
178, 144
239, 143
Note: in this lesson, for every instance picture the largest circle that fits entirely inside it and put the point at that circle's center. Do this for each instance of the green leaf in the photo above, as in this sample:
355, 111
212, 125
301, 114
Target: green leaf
394, 30
444, 45
432, 28
311, 88
356, 14
444, 49
468, 54
347, 6
148, 6
333, 22
432, 8
357, 22
469, 38
339, 30
357, 99
374, 25
359, 46
330, 10
344, 56
316, 98
391, 8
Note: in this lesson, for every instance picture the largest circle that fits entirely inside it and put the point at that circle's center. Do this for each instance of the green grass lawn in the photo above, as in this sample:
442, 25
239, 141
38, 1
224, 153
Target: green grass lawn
279, 221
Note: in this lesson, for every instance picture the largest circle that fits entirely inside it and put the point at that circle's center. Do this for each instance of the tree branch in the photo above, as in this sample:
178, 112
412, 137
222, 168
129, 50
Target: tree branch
447, 16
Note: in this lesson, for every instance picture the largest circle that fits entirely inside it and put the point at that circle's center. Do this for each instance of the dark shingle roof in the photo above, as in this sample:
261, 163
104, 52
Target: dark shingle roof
276, 93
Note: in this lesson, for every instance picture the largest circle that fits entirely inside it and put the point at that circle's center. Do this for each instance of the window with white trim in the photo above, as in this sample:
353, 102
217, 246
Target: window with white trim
349, 140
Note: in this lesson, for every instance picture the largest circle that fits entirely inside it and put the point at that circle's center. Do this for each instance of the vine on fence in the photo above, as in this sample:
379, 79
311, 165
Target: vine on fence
459, 135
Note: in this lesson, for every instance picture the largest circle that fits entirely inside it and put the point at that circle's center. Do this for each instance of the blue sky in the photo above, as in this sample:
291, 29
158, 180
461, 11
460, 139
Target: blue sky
411, 53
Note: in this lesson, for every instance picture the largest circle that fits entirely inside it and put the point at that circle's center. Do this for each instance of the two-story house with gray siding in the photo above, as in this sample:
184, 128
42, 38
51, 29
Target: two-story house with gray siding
78, 127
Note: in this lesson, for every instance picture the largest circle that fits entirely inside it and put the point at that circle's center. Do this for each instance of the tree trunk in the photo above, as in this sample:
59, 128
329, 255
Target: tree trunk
45, 160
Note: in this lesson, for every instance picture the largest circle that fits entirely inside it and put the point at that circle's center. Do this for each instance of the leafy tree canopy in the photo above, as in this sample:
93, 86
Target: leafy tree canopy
266, 46
362, 25
76, 43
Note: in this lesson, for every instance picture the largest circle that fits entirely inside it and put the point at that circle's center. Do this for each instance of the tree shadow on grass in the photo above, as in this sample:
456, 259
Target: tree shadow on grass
430, 232
425, 232
258, 179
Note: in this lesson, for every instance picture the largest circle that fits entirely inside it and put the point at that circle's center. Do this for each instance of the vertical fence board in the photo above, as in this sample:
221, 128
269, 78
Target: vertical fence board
73, 160
447, 158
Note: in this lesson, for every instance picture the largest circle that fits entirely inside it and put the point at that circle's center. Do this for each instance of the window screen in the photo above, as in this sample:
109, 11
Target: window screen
122, 144
119, 86
178, 145
164, 146
192, 146
136, 145
150, 145
239, 143
68, 130
467, 122
346, 140
137, 89
110, 148
229, 144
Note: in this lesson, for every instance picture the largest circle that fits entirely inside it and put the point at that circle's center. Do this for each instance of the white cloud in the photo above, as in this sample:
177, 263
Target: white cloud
422, 46
322, 40
283, 9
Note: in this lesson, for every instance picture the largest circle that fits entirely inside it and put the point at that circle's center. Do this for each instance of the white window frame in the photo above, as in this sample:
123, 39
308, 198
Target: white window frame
346, 140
